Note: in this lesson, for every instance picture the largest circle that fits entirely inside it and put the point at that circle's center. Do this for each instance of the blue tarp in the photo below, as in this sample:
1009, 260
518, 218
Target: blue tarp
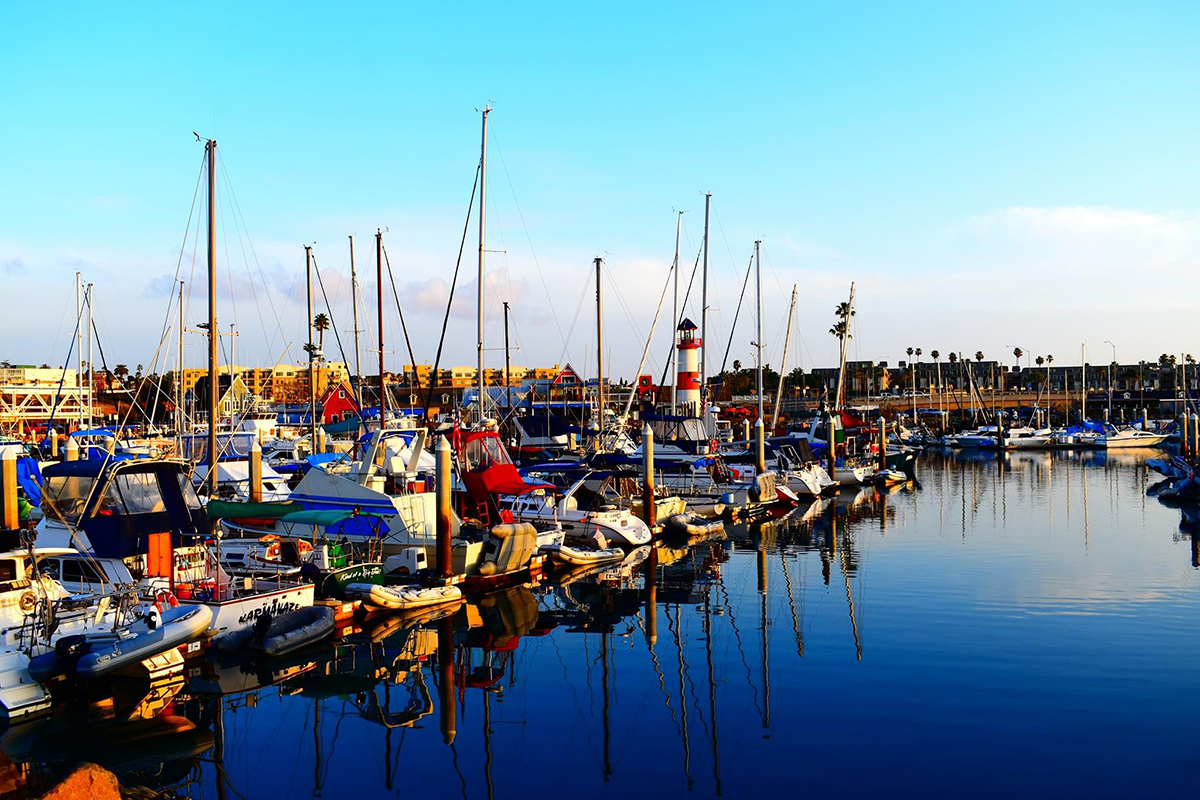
30, 479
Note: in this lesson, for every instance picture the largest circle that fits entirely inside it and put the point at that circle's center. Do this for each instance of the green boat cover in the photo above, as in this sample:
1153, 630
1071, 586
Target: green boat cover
322, 518
224, 509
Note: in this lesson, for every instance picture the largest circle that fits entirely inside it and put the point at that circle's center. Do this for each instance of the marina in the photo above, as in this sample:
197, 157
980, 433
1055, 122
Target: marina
1063, 617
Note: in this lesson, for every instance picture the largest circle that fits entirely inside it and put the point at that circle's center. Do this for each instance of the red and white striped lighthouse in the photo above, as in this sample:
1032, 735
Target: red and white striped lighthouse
687, 380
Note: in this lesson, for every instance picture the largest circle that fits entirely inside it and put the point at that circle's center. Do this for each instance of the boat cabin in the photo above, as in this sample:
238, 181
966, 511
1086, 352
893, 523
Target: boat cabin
144, 512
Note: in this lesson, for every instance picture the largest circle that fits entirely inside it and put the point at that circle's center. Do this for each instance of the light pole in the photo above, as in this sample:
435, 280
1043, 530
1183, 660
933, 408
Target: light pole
1110, 386
1024, 352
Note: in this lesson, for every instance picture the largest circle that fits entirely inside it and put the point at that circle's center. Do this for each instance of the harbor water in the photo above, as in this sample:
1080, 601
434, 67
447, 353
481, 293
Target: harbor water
1018, 625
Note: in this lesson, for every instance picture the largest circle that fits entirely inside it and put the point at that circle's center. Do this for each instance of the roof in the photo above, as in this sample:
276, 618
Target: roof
91, 468
686, 325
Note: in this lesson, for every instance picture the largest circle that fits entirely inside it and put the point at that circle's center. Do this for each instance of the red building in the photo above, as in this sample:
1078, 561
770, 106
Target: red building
337, 403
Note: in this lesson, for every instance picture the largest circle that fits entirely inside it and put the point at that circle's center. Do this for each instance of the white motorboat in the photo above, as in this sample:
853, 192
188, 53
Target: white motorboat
141, 522
233, 481
37, 615
1132, 437
592, 504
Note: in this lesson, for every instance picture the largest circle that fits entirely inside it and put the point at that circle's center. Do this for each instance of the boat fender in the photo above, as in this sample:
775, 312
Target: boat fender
164, 599
28, 601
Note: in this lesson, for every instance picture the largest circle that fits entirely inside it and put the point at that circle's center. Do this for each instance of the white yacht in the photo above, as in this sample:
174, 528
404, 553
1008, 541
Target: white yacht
591, 504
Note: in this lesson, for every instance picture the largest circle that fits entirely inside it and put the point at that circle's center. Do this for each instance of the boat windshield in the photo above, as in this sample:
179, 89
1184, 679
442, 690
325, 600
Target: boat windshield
484, 452
140, 492
189, 492
66, 496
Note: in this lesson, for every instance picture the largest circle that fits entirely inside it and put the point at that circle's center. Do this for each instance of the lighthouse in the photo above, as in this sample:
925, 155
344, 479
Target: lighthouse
687, 380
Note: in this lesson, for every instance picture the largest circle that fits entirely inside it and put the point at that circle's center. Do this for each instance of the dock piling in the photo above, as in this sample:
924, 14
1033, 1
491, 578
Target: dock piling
53, 443
256, 475
760, 445
648, 509
832, 447
882, 444
10, 518
72, 449
444, 478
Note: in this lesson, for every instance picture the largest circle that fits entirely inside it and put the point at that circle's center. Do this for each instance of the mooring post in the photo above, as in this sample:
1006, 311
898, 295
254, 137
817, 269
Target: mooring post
760, 436
1195, 434
72, 449
882, 444
53, 443
746, 431
648, 509
10, 518
444, 477
256, 480
832, 448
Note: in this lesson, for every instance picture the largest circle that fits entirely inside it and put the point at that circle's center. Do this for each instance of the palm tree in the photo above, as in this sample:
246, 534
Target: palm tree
1039, 361
841, 330
320, 325
121, 371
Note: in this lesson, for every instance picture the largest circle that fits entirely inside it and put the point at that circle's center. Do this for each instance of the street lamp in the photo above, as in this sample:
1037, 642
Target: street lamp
1110, 386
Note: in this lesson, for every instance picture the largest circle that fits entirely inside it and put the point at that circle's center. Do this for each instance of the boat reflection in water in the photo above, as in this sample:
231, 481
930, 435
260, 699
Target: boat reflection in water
718, 664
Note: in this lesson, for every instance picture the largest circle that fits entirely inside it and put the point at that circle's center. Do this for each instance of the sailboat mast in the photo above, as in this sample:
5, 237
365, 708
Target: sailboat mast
379, 311
787, 338
599, 349
507, 366
1083, 382
675, 314
211, 145
482, 215
79, 343
179, 382
354, 311
87, 297
837, 400
758, 383
704, 312
312, 354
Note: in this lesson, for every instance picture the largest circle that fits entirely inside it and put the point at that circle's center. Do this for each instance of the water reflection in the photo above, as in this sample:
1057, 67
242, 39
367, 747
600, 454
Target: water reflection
1001, 607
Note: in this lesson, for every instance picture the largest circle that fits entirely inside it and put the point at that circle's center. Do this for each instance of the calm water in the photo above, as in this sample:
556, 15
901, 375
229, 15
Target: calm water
1027, 626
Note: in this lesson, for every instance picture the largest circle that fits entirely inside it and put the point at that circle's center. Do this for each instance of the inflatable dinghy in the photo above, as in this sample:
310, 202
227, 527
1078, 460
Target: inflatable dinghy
693, 525
399, 598
275, 636
579, 557
94, 655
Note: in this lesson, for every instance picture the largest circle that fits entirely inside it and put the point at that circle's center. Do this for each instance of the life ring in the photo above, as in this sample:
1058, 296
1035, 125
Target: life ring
164, 599
27, 602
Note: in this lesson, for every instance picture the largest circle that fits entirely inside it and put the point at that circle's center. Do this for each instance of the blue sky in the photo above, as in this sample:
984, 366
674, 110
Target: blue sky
990, 174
